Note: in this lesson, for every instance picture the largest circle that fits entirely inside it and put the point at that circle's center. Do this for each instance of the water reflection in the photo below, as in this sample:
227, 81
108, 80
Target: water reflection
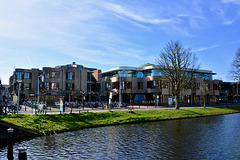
198, 138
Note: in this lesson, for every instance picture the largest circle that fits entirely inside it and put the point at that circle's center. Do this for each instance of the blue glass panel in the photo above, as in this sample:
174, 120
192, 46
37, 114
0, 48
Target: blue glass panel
123, 73
156, 72
140, 75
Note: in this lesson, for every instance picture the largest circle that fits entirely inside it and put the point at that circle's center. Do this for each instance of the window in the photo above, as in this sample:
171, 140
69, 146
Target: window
189, 86
152, 84
158, 85
70, 75
149, 84
203, 75
156, 72
215, 86
115, 85
27, 75
55, 74
47, 86
107, 86
197, 85
122, 73
19, 75
128, 85
55, 86
140, 74
165, 84
27, 86
208, 86
140, 85
89, 76
47, 74
69, 86
147, 73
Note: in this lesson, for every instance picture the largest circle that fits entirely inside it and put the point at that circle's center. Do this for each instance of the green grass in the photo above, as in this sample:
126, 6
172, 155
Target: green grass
66, 122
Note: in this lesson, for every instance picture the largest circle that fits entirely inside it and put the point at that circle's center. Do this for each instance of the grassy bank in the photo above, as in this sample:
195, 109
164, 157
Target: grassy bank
65, 122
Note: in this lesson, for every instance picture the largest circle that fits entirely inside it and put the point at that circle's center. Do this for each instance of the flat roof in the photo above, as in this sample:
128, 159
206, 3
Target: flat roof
127, 68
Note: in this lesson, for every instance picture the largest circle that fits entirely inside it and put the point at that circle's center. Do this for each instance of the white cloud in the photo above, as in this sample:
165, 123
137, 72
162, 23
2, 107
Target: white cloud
137, 24
137, 17
205, 48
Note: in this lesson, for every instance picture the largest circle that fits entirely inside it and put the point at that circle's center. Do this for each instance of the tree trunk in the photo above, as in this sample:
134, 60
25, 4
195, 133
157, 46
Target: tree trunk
204, 101
177, 101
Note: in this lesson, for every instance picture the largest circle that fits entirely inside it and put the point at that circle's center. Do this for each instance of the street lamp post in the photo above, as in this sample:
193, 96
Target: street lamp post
38, 91
19, 87
38, 87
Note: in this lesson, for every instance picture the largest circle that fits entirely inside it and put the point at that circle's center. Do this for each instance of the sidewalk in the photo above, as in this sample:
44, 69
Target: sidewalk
51, 110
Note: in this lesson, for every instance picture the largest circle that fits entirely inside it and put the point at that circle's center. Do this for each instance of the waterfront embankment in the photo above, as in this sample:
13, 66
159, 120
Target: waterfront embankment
55, 123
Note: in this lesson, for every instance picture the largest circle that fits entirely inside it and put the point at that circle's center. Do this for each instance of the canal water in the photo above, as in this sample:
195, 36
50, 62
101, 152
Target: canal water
216, 137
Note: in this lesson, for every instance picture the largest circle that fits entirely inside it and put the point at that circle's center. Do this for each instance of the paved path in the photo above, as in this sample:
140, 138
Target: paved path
51, 110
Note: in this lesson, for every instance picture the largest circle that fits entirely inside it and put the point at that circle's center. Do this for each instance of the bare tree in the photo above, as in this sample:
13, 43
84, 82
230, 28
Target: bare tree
235, 71
178, 66
204, 91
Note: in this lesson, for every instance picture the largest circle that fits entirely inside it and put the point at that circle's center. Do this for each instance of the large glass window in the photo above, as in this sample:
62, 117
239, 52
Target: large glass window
27, 75
140, 74
134, 74
19, 75
147, 73
123, 73
156, 72
70, 75
203, 75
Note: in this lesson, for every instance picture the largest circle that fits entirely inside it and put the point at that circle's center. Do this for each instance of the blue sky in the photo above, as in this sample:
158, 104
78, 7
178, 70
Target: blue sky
107, 34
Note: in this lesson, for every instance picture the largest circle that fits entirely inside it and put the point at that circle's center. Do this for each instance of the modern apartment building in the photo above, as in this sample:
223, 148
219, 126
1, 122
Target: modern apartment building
51, 79
147, 85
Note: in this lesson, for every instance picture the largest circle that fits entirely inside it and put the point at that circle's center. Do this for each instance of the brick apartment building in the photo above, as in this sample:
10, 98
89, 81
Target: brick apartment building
65, 77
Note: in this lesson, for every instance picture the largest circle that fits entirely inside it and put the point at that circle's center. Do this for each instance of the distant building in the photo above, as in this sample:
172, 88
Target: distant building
3, 92
147, 85
229, 92
52, 79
